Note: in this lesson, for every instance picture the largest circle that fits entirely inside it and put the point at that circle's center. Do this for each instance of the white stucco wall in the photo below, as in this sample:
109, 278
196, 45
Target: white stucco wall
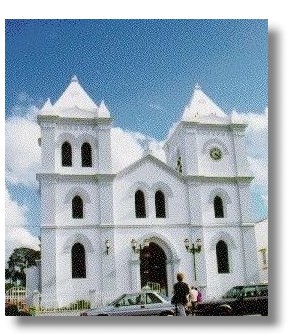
261, 233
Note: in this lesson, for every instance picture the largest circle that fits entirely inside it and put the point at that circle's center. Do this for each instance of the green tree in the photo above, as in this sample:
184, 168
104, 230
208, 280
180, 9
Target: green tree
19, 260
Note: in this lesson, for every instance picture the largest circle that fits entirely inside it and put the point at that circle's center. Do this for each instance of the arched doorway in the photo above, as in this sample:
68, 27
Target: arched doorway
153, 266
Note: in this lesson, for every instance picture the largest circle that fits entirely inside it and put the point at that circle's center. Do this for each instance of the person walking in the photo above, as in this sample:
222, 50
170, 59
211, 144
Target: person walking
192, 299
180, 293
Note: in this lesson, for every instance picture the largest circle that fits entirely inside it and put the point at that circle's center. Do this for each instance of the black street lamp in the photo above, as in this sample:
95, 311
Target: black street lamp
193, 248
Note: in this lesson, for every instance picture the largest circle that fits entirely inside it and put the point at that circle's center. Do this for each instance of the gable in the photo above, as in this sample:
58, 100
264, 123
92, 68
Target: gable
148, 166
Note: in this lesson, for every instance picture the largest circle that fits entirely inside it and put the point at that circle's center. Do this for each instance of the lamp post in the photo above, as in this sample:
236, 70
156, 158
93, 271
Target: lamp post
138, 249
193, 248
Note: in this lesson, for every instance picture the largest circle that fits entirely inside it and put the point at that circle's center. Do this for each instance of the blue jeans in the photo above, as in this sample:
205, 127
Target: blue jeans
180, 310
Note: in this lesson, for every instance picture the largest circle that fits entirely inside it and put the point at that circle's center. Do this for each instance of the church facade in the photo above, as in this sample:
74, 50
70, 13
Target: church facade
105, 233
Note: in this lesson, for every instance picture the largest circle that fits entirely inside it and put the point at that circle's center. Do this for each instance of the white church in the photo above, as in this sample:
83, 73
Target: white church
105, 233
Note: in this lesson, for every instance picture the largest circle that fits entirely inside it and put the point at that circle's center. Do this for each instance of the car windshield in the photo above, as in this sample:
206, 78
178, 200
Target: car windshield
164, 297
141, 298
116, 301
234, 292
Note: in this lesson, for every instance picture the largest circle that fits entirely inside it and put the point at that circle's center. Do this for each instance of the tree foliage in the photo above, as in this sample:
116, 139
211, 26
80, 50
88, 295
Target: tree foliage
20, 259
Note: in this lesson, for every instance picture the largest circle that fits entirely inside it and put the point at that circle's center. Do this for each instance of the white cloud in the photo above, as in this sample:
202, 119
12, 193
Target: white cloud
15, 225
22, 152
157, 149
257, 151
125, 148
128, 147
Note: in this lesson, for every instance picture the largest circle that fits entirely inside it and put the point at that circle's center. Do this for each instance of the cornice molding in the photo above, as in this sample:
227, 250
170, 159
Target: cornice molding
74, 177
150, 226
192, 127
42, 120
223, 179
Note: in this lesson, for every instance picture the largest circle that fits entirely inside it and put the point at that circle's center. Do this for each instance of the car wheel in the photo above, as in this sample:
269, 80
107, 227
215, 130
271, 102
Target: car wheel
224, 311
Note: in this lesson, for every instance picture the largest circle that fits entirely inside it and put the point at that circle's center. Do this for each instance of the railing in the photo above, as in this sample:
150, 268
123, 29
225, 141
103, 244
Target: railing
79, 305
16, 296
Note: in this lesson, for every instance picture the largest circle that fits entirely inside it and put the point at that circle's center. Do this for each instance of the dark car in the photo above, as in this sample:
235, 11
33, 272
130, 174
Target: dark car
239, 300
135, 304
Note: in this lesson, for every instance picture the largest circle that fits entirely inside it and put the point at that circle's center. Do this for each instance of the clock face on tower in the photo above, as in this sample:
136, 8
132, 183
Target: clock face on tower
215, 153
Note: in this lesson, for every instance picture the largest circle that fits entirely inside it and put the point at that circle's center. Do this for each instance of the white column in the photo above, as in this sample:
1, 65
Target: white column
135, 282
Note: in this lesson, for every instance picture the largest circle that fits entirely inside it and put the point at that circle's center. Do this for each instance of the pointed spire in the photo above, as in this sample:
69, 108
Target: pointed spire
201, 106
47, 106
75, 96
236, 118
103, 111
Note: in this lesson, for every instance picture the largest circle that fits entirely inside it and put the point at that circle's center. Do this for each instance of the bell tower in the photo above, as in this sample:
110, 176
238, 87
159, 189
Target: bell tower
76, 188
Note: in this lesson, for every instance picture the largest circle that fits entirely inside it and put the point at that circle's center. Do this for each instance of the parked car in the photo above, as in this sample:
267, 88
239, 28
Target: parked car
135, 304
239, 300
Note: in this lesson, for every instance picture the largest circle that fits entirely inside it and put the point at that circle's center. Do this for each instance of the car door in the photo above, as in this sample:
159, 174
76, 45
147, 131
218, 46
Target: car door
247, 302
262, 299
140, 305
154, 305
128, 305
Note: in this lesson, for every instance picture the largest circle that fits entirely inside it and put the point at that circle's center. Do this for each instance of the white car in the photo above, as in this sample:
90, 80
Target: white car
136, 304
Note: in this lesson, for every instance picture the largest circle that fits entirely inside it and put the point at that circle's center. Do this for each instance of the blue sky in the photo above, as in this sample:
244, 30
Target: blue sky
145, 71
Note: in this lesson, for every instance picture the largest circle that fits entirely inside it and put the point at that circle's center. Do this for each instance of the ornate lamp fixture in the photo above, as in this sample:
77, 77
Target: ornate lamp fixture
193, 249
137, 249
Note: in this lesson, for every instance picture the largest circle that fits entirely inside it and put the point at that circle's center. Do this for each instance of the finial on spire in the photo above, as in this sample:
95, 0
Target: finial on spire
74, 79
47, 105
103, 111
197, 86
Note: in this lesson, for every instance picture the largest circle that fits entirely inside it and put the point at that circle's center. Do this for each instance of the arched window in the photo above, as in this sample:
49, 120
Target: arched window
218, 207
78, 261
160, 204
222, 257
140, 210
86, 155
66, 154
77, 207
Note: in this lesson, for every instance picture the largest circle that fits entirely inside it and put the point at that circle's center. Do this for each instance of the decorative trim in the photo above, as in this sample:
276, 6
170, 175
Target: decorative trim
221, 193
223, 179
150, 226
83, 239
152, 159
74, 177
224, 236
56, 119
139, 185
165, 188
77, 191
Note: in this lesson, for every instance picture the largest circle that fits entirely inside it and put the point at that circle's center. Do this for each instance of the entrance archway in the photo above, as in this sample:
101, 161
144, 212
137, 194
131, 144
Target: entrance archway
153, 266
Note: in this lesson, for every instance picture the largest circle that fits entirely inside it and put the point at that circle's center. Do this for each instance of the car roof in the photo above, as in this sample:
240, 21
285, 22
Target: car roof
142, 291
